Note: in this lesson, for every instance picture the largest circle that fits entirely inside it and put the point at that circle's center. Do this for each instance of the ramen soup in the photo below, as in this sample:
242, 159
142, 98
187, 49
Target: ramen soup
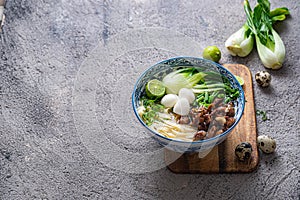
188, 104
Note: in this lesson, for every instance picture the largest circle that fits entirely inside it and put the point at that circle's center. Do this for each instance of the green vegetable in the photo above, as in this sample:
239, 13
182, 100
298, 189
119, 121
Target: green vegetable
270, 47
208, 92
206, 86
279, 14
151, 110
263, 114
241, 42
182, 78
198, 91
213, 96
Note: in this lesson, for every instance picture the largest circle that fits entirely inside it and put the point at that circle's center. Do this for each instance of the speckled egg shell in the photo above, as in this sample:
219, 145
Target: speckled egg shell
243, 151
266, 143
263, 78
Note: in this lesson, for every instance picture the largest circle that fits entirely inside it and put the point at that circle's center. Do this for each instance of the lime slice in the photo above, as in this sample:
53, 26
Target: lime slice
212, 53
240, 80
155, 89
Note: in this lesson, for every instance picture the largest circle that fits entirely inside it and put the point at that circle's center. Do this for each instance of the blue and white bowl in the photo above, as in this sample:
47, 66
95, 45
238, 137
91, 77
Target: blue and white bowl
161, 69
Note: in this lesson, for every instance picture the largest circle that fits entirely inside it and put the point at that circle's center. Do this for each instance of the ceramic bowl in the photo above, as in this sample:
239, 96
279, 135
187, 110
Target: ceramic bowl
162, 68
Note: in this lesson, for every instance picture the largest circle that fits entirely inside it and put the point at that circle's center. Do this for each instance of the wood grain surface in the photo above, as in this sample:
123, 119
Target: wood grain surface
222, 159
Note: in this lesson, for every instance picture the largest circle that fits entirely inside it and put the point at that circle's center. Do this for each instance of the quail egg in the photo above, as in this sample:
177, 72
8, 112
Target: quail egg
263, 78
243, 151
169, 100
266, 143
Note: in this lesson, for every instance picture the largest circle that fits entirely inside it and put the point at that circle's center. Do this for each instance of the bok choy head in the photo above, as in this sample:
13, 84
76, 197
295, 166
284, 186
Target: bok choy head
270, 47
241, 42
182, 78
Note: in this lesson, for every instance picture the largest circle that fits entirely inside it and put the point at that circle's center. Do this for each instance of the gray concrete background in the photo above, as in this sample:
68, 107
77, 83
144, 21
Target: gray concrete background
55, 52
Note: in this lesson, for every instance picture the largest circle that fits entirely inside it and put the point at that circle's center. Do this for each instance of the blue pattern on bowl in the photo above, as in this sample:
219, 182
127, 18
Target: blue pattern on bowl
158, 71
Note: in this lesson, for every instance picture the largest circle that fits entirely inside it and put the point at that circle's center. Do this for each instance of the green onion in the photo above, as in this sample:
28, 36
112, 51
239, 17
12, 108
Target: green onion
197, 91
263, 114
206, 86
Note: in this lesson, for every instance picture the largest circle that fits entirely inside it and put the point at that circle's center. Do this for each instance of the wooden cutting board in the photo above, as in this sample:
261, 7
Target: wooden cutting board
222, 159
